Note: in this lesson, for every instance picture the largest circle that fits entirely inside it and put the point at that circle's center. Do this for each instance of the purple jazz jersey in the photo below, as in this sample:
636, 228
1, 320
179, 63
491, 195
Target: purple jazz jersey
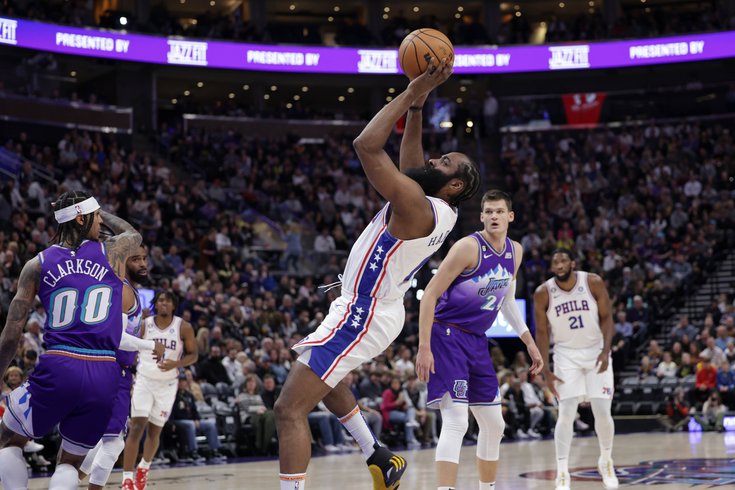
463, 314
125, 358
119, 420
83, 298
473, 300
75, 382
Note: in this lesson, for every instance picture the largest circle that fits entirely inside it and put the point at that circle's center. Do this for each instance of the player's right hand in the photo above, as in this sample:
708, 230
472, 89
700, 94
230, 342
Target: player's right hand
437, 73
551, 380
158, 351
424, 364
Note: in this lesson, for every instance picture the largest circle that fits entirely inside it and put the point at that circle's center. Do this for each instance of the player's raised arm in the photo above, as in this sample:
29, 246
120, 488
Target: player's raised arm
513, 315
461, 257
604, 310
121, 246
412, 150
403, 192
18, 311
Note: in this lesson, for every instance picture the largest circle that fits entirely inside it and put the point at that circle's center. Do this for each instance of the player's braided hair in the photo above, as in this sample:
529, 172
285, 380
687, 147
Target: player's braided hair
471, 178
72, 232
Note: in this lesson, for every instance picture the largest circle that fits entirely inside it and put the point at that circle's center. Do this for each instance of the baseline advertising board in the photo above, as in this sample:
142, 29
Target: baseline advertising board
306, 59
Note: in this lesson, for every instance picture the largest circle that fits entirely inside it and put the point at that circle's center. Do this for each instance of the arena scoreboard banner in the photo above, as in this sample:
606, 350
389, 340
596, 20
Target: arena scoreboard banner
120, 45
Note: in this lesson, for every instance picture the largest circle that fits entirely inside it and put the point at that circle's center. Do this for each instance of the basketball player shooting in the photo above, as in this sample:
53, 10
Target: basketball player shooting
421, 211
574, 306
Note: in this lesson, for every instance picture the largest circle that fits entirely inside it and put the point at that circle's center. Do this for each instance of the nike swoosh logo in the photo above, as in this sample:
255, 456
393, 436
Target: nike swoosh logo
388, 473
487, 256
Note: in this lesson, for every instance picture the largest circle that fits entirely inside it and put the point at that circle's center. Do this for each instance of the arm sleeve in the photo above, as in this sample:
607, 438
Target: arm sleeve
131, 343
512, 313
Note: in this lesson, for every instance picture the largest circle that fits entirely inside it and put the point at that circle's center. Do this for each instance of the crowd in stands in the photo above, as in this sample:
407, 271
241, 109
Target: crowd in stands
242, 229
349, 31
649, 209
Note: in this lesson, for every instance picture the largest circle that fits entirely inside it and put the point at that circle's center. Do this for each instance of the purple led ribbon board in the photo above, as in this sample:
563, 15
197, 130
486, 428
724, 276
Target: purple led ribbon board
305, 59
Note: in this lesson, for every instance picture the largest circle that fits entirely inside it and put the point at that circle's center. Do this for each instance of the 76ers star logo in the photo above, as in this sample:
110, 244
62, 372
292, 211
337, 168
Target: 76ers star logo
460, 388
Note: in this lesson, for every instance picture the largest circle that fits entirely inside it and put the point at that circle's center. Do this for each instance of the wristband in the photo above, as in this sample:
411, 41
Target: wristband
415, 108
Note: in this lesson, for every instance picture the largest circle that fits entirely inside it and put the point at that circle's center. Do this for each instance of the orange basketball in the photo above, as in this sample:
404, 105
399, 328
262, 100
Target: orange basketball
418, 47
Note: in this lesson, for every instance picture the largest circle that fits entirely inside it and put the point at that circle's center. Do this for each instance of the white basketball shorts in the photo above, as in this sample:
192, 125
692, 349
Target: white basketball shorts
356, 330
153, 399
578, 370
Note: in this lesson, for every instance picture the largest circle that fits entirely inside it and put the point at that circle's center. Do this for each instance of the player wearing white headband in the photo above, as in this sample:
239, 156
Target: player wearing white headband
79, 283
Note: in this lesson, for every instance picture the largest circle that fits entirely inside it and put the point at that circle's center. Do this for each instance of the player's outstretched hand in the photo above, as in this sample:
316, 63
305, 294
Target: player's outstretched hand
537, 362
167, 365
424, 364
158, 351
551, 380
602, 360
437, 74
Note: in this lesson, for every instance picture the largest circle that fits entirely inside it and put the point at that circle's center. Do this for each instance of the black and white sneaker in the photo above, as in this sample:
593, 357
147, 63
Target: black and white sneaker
386, 468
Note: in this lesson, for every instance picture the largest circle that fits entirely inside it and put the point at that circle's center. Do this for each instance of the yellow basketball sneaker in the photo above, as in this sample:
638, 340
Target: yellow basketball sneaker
386, 468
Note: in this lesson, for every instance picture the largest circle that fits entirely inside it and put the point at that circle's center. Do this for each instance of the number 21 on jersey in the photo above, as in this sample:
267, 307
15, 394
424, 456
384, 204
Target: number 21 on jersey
575, 322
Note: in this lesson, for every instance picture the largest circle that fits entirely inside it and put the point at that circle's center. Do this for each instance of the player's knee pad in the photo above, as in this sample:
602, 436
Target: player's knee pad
455, 420
491, 423
105, 460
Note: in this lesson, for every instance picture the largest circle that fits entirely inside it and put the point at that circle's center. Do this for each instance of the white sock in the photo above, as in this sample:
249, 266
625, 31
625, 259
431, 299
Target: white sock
144, 464
445, 488
487, 486
358, 427
293, 481
66, 477
127, 475
13, 472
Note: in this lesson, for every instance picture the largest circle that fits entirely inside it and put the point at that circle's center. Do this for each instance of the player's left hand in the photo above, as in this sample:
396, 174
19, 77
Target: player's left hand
167, 365
424, 364
602, 361
537, 362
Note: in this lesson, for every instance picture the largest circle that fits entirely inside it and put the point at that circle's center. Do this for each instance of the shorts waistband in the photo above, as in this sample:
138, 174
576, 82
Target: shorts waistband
453, 325
82, 354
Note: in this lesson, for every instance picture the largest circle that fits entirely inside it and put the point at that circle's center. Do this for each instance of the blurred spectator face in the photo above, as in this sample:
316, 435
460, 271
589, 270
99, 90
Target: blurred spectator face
395, 384
269, 384
215, 353
14, 378
30, 358
686, 359
667, 356
232, 354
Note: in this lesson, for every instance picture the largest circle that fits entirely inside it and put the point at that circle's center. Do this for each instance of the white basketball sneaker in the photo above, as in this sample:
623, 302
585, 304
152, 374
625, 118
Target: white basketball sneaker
607, 471
562, 481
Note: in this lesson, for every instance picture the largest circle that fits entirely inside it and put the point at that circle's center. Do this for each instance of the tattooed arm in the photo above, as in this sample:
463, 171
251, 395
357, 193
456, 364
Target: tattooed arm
18, 311
121, 246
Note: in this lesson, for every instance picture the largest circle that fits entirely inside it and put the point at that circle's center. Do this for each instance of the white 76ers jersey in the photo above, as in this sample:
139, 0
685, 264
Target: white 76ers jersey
572, 316
170, 337
382, 266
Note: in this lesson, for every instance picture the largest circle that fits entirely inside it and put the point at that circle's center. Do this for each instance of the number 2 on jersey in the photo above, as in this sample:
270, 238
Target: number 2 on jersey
575, 322
95, 308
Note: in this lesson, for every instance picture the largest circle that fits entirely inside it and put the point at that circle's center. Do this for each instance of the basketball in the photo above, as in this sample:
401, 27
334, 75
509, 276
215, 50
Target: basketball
418, 47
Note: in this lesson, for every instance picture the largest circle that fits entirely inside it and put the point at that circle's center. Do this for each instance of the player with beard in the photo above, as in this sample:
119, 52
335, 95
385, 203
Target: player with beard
574, 307
155, 386
474, 283
421, 211
100, 460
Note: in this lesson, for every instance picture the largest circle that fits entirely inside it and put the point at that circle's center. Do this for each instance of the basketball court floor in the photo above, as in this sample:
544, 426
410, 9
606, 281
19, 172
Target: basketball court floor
669, 461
